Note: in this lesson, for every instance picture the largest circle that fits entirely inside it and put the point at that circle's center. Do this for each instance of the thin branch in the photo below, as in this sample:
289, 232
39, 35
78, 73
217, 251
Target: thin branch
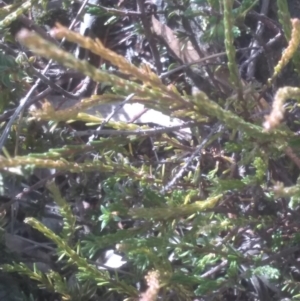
139, 132
197, 152
118, 108
150, 36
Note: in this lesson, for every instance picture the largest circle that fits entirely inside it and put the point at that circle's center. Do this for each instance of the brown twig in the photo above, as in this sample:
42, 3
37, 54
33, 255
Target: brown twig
150, 36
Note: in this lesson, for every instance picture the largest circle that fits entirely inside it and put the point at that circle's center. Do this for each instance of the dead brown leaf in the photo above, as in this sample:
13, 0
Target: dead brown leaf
186, 53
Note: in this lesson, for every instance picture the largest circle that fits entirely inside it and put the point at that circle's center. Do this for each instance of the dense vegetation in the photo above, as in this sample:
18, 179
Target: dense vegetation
150, 150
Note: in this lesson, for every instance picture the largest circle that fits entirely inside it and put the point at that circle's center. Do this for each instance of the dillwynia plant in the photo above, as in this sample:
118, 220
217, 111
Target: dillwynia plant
173, 263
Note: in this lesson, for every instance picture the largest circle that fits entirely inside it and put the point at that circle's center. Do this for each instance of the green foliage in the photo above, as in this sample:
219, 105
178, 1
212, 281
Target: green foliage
205, 213
215, 24
11, 76
270, 272
66, 212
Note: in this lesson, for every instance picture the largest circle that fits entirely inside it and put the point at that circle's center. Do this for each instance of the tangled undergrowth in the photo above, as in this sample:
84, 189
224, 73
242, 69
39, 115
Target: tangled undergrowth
191, 192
